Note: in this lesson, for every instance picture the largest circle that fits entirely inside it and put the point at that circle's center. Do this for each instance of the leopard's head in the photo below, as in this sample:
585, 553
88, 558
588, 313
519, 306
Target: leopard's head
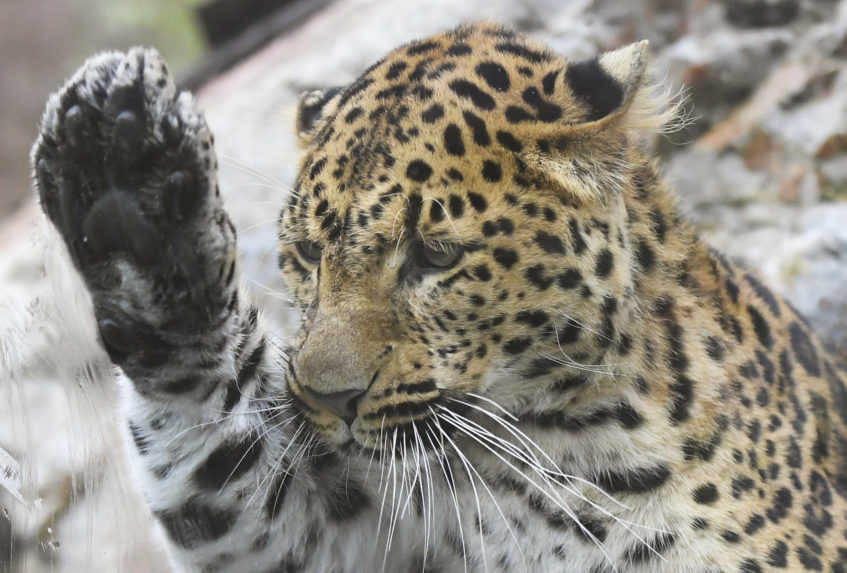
457, 233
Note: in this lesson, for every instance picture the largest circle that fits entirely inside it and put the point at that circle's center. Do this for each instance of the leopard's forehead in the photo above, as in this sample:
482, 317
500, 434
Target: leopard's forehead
443, 123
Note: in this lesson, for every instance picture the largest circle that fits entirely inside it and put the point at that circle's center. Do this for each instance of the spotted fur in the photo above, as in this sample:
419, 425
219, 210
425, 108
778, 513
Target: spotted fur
515, 354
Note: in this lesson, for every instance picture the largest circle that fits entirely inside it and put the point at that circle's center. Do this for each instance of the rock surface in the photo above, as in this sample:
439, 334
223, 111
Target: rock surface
762, 172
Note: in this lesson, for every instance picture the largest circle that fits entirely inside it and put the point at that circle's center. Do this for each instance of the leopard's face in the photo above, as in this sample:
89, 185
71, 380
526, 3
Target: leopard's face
455, 232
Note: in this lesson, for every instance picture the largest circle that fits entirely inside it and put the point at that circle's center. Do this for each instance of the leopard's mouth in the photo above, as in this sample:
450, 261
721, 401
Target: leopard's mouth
380, 417
375, 430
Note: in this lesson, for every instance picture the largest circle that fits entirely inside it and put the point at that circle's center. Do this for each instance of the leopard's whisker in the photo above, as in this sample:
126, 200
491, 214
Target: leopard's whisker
602, 369
373, 451
545, 475
470, 468
271, 202
574, 364
447, 214
523, 437
430, 482
239, 164
382, 438
549, 493
200, 425
407, 484
394, 498
383, 486
413, 480
532, 461
397, 244
556, 471
259, 224
279, 295
280, 459
266, 479
426, 504
451, 485
496, 505
493, 403
472, 483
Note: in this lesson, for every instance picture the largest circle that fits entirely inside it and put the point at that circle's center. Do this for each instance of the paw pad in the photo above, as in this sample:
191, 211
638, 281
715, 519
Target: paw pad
125, 171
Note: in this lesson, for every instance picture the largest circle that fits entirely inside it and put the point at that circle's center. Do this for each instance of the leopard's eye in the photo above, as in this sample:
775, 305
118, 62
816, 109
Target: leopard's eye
438, 258
309, 251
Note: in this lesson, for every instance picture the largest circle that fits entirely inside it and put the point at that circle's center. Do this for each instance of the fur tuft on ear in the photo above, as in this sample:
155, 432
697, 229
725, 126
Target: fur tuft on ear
627, 65
657, 107
313, 106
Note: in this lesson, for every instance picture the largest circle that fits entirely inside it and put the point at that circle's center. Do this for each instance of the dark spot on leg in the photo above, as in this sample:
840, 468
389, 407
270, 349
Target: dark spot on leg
141, 442
348, 501
228, 462
194, 523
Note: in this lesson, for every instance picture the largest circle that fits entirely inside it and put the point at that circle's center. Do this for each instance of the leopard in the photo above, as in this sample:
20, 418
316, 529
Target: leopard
514, 352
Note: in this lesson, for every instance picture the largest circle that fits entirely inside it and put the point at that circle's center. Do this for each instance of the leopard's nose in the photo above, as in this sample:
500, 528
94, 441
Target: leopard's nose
342, 404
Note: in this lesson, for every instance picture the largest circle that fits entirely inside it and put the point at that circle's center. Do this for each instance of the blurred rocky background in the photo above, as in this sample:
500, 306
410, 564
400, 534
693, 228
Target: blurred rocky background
762, 172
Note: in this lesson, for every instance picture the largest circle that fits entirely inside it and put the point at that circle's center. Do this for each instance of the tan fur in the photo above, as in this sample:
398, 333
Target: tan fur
684, 345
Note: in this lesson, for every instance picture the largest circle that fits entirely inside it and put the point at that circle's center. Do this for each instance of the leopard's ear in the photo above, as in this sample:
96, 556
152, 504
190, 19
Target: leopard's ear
314, 106
607, 85
607, 99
